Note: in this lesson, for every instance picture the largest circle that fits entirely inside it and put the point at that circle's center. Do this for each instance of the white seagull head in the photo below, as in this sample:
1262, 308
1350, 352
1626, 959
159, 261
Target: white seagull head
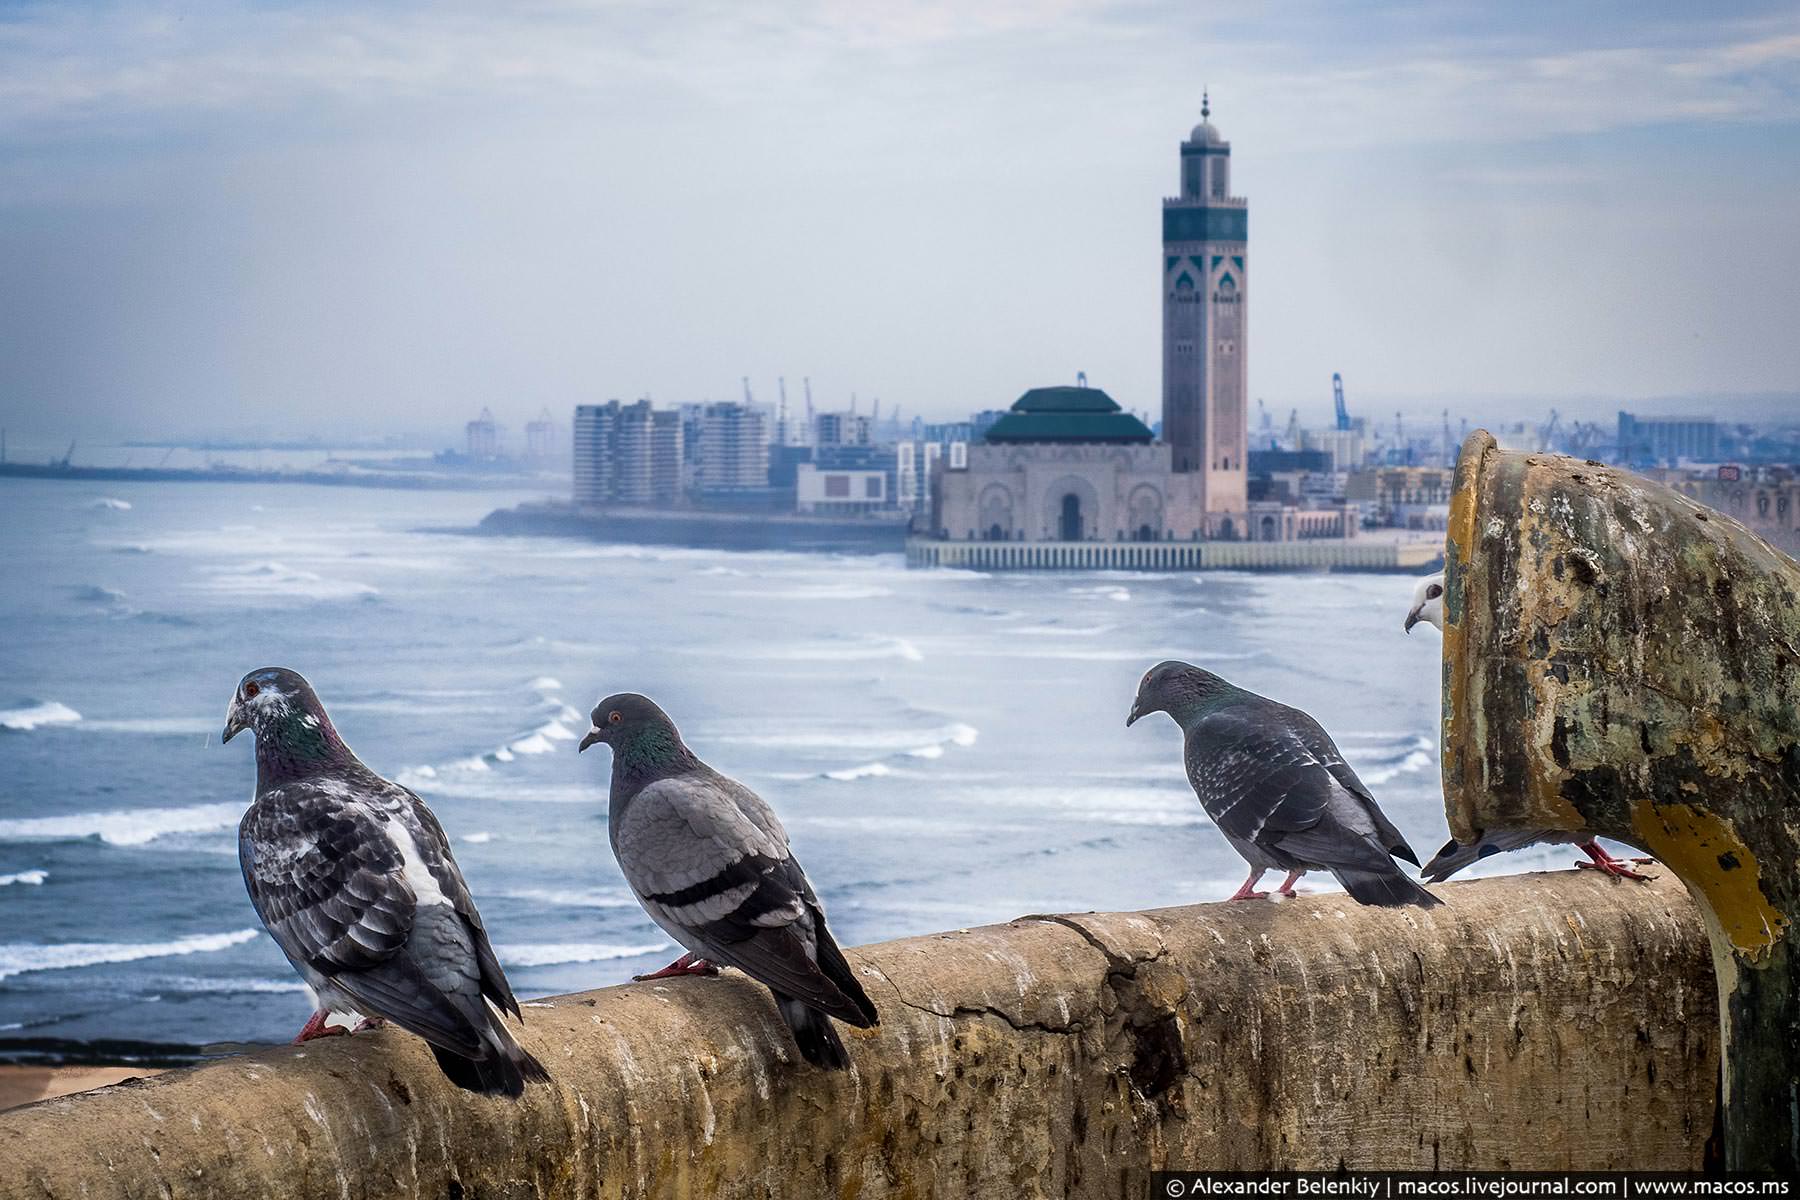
1428, 604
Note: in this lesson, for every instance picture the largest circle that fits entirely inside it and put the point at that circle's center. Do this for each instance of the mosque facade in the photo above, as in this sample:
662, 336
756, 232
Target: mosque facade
1067, 465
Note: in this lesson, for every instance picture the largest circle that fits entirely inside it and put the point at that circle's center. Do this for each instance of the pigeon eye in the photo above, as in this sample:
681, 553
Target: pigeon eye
1433, 592
615, 716
250, 690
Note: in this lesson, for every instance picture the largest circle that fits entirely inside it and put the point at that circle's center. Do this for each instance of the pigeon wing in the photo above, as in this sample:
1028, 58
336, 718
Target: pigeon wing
1254, 778
324, 880
1314, 737
329, 884
716, 871
434, 848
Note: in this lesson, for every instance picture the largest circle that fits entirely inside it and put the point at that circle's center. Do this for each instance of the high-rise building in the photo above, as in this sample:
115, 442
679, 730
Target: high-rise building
1205, 417
732, 449
1667, 440
627, 454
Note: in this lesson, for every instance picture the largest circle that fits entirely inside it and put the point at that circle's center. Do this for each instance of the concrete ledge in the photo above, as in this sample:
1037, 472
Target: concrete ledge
1553, 1020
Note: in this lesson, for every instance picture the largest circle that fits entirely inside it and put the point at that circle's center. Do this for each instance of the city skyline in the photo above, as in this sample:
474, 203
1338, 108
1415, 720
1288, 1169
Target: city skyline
314, 218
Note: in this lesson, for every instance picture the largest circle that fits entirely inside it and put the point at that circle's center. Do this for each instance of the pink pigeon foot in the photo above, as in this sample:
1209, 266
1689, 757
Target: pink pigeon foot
1287, 885
370, 1023
687, 964
1606, 864
1248, 890
316, 1027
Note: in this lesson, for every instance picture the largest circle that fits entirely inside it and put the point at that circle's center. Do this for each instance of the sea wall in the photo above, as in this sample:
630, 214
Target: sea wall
1551, 1020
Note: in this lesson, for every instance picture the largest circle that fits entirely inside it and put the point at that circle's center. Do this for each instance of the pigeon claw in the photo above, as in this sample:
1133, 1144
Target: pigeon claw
687, 964
316, 1027
1618, 868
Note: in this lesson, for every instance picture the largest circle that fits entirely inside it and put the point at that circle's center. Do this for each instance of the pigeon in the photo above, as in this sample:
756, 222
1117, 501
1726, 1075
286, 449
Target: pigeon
1428, 603
1278, 788
710, 863
352, 876
1428, 606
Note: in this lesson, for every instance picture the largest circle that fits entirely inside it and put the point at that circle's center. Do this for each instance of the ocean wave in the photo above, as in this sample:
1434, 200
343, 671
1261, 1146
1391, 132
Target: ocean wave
153, 726
24, 720
33, 878
1418, 760
109, 504
544, 683
279, 581
574, 897
857, 737
17, 958
93, 593
816, 591
866, 771
480, 838
195, 983
1062, 630
551, 954
861, 650
123, 827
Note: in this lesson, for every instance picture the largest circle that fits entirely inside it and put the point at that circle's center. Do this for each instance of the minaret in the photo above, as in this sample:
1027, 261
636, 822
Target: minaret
1205, 385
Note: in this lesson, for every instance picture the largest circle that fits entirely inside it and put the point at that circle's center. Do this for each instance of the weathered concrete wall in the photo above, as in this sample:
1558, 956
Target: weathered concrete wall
1549, 1020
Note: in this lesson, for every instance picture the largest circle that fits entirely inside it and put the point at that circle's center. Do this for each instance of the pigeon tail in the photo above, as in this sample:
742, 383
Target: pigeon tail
1456, 855
1384, 889
837, 969
502, 1071
813, 1033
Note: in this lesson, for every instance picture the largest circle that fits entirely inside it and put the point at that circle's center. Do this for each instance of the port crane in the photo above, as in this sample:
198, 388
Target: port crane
1337, 396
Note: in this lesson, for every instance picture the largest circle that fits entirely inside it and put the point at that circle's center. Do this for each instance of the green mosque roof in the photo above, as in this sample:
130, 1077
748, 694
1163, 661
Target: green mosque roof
1068, 414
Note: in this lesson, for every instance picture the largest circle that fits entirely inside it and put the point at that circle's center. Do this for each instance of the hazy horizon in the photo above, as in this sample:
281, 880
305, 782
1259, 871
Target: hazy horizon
322, 219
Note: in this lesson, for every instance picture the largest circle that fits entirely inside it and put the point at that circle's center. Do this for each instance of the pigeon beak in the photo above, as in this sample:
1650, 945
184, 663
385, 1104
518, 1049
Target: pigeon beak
1412, 618
234, 724
593, 735
1131, 719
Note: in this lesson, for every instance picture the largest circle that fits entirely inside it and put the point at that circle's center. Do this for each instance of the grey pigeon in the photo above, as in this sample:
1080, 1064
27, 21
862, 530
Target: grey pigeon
1428, 607
1278, 789
710, 863
353, 877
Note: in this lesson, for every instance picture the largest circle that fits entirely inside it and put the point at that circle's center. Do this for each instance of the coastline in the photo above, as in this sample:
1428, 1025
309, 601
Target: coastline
27, 1085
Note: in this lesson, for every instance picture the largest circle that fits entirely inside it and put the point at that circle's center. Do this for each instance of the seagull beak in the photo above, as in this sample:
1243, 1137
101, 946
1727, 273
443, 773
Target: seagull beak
1412, 618
593, 735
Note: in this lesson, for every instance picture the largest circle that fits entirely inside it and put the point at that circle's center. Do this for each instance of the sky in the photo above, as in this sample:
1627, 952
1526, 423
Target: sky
233, 219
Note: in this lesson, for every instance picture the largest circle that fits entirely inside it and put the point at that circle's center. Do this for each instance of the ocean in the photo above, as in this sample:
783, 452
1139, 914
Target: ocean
946, 748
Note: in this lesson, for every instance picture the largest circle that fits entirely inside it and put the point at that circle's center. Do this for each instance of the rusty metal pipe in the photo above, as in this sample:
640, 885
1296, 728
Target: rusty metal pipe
1621, 661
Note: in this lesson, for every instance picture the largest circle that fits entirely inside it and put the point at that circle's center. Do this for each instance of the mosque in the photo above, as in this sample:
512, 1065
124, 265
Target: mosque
1068, 468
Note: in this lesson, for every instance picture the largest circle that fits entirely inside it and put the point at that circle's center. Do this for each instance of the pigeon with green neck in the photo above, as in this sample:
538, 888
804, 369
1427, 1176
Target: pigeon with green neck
353, 877
710, 863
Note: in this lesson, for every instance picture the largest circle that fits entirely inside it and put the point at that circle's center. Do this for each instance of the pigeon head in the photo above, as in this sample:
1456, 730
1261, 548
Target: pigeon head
290, 724
1428, 603
1180, 689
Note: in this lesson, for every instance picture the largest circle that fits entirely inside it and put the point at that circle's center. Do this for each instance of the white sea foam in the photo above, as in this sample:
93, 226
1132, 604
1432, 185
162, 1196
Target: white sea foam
154, 726
34, 878
477, 839
816, 591
575, 897
17, 958
932, 751
196, 983
51, 712
550, 954
276, 580
855, 737
123, 827
109, 504
866, 771
1418, 760
861, 650
543, 683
